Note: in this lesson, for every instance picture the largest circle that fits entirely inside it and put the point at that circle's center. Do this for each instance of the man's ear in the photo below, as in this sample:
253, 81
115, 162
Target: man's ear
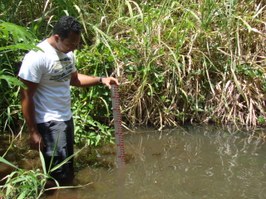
56, 37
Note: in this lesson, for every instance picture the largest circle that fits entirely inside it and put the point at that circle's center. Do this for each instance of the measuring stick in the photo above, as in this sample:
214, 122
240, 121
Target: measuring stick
119, 139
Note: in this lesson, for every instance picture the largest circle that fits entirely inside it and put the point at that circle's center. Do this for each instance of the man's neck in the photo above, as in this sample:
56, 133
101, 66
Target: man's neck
52, 42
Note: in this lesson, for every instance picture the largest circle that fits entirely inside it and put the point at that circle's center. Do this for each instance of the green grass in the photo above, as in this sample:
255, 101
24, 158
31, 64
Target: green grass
24, 183
177, 61
30, 183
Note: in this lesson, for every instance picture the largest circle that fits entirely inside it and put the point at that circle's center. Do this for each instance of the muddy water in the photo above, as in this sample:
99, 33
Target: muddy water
191, 163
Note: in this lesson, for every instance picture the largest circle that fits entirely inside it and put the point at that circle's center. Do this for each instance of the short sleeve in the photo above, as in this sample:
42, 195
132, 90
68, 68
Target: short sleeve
73, 58
31, 68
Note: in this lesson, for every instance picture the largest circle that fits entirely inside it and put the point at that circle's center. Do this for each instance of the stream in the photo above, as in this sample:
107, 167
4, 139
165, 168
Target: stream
185, 163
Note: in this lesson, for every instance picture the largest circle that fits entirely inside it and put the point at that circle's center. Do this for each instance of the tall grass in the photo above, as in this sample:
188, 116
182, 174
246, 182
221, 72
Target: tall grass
178, 61
186, 61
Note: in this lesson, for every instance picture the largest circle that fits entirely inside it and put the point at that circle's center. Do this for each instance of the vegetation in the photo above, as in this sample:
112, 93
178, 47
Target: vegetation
23, 183
30, 183
13, 39
178, 62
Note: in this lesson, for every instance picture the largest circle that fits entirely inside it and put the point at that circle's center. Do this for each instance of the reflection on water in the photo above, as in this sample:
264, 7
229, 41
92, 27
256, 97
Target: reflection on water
197, 162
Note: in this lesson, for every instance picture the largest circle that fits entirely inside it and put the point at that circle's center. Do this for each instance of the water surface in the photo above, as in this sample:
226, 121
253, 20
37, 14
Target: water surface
195, 162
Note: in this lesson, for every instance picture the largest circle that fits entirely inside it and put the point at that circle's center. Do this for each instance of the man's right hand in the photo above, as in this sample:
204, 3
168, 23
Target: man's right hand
36, 141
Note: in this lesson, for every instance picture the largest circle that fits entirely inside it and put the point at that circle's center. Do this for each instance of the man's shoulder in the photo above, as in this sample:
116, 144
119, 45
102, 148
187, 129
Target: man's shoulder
42, 44
38, 52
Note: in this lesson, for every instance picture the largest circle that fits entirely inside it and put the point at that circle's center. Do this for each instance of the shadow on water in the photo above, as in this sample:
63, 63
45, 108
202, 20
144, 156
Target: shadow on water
186, 163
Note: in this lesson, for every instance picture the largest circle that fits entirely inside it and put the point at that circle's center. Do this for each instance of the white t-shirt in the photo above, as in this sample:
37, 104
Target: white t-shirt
52, 70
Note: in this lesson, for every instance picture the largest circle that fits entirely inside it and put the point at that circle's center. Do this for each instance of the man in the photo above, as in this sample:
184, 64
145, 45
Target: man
48, 74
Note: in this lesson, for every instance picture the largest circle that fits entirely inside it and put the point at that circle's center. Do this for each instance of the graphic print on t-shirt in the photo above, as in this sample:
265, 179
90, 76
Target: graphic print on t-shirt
61, 70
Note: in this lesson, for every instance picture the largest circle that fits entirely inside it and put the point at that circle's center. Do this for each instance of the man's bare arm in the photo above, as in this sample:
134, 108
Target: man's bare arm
81, 80
28, 110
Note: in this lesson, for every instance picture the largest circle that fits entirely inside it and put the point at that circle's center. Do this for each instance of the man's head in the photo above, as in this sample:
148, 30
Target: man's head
67, 34
65, 25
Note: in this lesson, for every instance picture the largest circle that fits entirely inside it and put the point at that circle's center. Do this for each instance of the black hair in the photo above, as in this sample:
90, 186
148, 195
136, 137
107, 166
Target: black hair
65, 25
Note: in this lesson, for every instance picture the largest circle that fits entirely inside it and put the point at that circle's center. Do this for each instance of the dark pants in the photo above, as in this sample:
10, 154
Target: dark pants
58, 138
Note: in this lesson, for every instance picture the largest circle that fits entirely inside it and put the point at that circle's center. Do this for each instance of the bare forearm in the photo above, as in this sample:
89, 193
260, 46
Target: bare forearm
81, 80
28, 110
84, 80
